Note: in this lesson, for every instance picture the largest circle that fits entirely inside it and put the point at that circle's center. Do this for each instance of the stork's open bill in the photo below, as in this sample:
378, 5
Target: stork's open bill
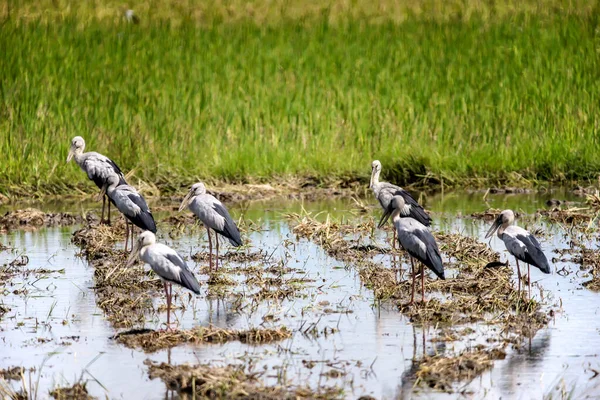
418, 241
166, 263
132, 205
97, 167
521, 244
214, 215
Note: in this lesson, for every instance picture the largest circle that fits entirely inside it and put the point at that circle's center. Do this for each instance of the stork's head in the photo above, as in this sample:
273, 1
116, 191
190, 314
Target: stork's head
146, 238
375, 170
503, 220
77, 146
196, 190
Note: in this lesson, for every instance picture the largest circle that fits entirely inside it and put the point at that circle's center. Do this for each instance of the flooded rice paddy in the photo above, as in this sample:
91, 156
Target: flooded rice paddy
339, 339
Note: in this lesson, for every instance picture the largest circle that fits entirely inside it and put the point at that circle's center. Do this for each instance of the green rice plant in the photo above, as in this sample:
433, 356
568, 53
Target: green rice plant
466, 92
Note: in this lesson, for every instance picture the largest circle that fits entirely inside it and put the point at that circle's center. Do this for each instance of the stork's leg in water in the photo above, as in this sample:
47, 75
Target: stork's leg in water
529, 279
209, 248
422, 284
412, 293
217, 259
168, 306
519, 275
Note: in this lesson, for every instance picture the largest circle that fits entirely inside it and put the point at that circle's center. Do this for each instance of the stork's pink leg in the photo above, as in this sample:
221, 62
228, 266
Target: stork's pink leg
168, 306
103, 204
519, 275
217, 259
209, 248
126, 235
109, 213
529, 279
412, 293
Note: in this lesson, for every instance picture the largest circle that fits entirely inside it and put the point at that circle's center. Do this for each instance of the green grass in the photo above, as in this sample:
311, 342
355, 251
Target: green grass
463, 99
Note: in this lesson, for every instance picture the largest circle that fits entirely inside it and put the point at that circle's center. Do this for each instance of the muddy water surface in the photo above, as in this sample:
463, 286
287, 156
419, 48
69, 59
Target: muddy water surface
342, 336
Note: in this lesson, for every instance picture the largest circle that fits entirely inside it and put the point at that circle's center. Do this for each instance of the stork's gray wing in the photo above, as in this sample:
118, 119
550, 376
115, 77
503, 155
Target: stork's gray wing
533, 254
185, 277
143, 218
230, 229
99, 167
420, 243
411, 207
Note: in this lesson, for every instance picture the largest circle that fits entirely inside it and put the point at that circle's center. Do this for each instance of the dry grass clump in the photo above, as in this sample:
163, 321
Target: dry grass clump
124, 294
13, 373
234, 256
76, 392
333, 236
151, 341
31, 218
3, 310
96, 240
439, 371
230, 382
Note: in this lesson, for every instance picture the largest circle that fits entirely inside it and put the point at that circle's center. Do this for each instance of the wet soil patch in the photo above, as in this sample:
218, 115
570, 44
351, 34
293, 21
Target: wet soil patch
151, 341
31, 218
230, 382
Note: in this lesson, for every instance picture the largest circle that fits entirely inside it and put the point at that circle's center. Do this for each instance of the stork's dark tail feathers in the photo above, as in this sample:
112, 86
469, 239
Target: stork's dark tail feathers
417, 212
188, 280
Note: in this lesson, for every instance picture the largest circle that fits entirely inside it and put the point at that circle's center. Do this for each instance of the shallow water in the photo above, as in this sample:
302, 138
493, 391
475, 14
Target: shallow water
374, 345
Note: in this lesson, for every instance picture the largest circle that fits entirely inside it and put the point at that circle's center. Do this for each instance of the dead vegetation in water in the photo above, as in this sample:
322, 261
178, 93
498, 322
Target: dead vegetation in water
151, 341
230, 382
479, 288
13, 373
76, 392
440, 372
31, 219
124, 294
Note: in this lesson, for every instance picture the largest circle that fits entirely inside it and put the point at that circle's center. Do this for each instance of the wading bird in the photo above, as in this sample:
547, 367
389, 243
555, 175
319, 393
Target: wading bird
384, 192
417, 240
131, 204
521, 244
166, 263
97, 167
214, 215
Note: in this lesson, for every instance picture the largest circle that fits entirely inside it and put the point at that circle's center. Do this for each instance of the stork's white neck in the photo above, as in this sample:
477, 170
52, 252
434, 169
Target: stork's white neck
78, 156
374, 178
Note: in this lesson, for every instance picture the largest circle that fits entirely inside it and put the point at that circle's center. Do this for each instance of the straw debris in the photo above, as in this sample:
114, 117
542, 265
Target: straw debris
151, 341
230, 382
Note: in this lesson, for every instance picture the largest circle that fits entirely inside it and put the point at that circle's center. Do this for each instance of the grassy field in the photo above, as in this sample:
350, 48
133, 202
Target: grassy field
467, 92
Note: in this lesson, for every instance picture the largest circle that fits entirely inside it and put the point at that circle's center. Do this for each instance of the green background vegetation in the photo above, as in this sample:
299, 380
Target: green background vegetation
468, 92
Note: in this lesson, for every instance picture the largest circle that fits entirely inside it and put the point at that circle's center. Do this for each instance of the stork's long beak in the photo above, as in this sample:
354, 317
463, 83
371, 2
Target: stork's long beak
133, 255
70, 156
186, 200
372, 173
102, 192
384, 217
494, 226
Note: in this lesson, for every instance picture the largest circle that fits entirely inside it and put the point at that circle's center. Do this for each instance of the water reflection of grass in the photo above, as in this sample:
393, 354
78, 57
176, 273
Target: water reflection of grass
243, 90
